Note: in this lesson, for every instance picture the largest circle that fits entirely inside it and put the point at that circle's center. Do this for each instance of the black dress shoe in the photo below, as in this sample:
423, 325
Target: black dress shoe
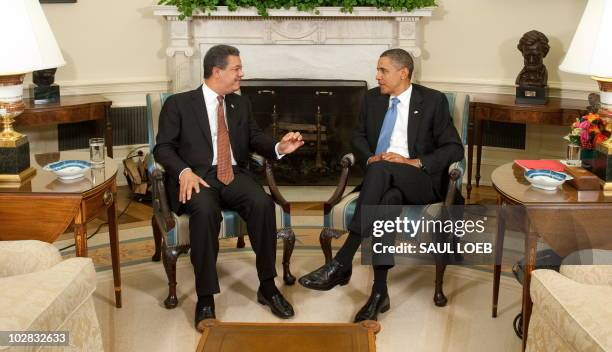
377, 303
277, 303
327, 276
203, 312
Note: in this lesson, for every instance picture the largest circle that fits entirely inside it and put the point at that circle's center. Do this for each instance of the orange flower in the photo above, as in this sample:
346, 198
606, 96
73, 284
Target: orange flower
599, 138
592, 117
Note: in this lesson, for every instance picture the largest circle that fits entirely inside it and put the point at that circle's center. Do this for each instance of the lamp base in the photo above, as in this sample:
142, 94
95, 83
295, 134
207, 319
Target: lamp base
15, 161
15, 181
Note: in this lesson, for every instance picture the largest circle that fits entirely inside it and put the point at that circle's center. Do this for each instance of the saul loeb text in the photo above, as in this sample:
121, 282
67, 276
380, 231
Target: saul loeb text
413, 228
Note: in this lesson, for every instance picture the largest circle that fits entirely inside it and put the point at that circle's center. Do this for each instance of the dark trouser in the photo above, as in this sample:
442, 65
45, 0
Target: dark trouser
387, 183
254, 205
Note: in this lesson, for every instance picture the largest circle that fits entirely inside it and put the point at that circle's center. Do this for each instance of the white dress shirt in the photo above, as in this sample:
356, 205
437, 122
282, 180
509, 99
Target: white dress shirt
210, 99
399, 136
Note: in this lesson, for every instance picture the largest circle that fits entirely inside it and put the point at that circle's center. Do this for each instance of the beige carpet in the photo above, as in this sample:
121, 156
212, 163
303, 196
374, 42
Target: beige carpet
412, 324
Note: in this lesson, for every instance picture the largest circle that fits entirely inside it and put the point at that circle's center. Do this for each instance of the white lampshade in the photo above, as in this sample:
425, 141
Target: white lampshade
26, 40
590, 52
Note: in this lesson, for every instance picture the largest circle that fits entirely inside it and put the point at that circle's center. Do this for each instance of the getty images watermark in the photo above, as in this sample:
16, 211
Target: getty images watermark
485, 234
422, 234
403, 226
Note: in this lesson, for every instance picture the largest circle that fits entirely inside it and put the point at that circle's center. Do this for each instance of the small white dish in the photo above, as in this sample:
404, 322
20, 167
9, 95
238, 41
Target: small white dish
546, 179
68, 169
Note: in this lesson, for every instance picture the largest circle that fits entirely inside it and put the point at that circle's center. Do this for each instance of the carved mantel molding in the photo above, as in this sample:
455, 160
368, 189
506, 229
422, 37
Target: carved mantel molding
366, 27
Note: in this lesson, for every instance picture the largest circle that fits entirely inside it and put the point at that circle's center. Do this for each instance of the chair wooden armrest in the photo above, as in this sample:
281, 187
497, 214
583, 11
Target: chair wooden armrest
274, 191
455, 176
161, 207
346, 162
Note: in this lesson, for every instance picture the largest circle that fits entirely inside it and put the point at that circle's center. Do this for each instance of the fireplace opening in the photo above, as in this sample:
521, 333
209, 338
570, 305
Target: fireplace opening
325, 113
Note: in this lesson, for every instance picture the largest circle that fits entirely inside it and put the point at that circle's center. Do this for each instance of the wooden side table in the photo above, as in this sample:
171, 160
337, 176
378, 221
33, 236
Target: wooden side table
567, 220
264, 337
501, 108
43, 207
71, 109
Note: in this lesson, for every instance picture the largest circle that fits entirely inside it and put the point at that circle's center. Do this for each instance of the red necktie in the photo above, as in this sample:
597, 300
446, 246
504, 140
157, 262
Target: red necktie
225, 174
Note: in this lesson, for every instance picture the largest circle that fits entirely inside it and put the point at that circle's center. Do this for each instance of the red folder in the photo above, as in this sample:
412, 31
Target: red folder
553, 165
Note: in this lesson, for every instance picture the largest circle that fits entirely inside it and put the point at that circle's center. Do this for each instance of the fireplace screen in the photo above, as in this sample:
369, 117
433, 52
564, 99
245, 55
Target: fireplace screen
323, 111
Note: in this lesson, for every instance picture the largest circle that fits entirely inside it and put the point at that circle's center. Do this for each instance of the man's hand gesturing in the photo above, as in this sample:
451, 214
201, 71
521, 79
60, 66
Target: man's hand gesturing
290, 142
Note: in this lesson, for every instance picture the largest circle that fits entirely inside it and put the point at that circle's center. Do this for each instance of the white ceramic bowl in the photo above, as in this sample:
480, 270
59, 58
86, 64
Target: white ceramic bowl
546, 179
68, 169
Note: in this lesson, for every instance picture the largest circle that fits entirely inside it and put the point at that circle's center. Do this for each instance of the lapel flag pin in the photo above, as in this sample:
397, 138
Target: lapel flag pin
232, 105
416, 112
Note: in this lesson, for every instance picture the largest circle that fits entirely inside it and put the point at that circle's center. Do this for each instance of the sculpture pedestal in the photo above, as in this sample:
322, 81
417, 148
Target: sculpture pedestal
531, 95
45, 94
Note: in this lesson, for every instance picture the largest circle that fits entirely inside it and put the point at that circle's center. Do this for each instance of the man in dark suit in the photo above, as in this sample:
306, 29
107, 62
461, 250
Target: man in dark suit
406, 140
204, 140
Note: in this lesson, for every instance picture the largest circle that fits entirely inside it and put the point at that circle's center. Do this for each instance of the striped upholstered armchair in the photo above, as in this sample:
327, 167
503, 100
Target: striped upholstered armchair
171, 232
340, 208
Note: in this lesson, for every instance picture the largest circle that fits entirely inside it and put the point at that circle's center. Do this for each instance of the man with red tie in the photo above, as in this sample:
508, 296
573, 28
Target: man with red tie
204, 140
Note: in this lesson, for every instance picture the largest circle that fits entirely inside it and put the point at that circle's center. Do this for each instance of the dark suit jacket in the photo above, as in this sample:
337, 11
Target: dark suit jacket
432, 137
184, 140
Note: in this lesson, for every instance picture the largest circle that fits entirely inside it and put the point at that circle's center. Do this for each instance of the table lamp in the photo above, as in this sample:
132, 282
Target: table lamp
27, 45
590, 53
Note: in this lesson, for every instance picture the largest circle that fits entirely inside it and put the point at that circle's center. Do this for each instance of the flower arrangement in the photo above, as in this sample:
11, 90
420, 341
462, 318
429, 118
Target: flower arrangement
588, 131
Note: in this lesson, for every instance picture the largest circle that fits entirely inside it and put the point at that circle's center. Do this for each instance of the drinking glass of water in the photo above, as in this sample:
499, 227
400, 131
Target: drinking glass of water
96, 152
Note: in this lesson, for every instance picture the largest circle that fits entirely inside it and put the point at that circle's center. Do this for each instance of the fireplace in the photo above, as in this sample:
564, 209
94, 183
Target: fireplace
323, 111
323, 49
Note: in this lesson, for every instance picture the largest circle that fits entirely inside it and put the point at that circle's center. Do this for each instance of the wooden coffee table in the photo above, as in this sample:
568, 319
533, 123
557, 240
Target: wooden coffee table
305, 337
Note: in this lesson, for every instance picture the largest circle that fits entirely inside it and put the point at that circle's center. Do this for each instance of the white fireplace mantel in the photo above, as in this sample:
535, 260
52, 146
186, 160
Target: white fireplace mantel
291, 43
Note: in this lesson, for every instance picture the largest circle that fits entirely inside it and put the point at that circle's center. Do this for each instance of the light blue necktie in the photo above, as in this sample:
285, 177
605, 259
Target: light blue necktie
384, 139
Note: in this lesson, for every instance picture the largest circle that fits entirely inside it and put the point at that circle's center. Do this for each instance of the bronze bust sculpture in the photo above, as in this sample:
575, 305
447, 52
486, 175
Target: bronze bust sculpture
594, 103
532, 80
44, 77
534, 47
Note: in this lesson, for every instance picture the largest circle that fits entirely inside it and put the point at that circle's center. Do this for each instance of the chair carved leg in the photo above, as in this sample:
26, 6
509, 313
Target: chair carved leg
170, 255
240, 243
325, 240
439, 297
157, 237
288, 237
